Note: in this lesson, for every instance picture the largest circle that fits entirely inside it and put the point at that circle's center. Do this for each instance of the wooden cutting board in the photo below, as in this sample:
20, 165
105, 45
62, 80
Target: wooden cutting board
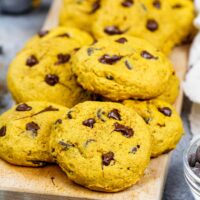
51, 183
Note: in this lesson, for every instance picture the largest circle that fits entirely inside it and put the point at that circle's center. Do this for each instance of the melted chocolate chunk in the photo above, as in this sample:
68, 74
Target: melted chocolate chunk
47, 109
113, 30
122, 40
32, 126
42, 33
152, 25
110, 60
64, 35
3, 131
89, 122
177, 6
125, 130
23, 107
59, 121
109, 77
127, 3
31, 61
166, 111
63, 58
76, 49
157, 4
95, 6
65, 145
128, 65
69, 114
51, 79
114, 114
107, 158
147, 55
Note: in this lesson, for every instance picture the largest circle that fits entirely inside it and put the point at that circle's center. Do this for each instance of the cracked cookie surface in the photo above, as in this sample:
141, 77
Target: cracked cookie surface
42, 72
25, 131
164, 123
122, 67
103, 146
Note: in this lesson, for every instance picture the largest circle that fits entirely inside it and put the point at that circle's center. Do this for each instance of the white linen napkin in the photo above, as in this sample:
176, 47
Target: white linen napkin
191, 85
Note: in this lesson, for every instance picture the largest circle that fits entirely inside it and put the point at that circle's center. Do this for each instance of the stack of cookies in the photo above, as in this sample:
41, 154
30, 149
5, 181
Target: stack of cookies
99, 108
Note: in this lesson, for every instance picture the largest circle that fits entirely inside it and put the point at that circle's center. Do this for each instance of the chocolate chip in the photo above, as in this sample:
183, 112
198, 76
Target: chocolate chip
31, 61
3, 131
89, 122
63, 58
23, 107
177, 6
90, 51
107, 59
114, 114
147, 120
59, 121
113, 30
76, 49
100, 113
192, 160
64, 35
152, 25
51, 79
157, 4
32, 126
197, 165
109, 77
122, 40
127, 3
134, 150
107, 158
69, 115
42, 33
125, 130
147, 55
95, 6
66, 145
198, 154
128, 65
166, 111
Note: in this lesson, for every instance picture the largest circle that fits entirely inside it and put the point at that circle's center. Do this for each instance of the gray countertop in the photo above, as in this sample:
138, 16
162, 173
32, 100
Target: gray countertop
15, 30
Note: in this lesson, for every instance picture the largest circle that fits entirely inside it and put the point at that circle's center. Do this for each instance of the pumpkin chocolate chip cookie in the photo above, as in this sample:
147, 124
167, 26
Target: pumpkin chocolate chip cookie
122, 67
164, 123
160, 22
25, 131
58, 34
42, 72
103, 146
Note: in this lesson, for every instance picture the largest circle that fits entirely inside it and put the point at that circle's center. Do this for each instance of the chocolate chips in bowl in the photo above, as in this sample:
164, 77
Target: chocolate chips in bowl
191, 161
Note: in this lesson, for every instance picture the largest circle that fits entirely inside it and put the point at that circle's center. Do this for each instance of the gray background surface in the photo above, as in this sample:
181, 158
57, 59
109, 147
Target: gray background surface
15, 30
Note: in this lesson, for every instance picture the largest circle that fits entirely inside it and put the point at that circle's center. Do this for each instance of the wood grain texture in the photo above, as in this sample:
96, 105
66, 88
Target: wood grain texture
51, 183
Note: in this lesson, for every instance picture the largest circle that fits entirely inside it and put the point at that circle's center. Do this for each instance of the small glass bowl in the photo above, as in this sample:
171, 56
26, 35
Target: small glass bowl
191, 178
